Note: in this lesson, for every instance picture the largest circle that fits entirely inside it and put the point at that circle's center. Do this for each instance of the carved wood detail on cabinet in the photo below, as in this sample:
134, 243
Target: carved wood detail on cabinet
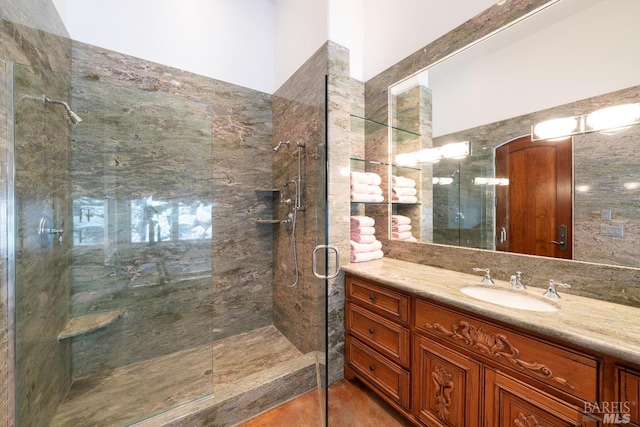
443, 380
496, 345
526, 421
572, 372
442, 391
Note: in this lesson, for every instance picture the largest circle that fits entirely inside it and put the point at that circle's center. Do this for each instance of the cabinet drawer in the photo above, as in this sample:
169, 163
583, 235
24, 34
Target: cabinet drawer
510, 402
380, 299
388, 377
383, 335
548, 363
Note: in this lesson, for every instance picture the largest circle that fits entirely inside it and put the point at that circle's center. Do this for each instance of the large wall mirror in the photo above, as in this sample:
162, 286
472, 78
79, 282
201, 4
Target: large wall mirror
454, 122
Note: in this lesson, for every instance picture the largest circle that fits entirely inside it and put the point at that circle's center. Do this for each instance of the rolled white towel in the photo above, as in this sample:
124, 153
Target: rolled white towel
400, 219
404, 191
400, 228
401, 181
404, 235
410, 239
366, 256
365, 247
363, 238
367, 198
362, 221
365, 188
405, 199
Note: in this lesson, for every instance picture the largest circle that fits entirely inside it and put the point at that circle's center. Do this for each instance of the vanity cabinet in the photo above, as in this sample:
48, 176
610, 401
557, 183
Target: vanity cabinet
443, 366
377, 342
525, 381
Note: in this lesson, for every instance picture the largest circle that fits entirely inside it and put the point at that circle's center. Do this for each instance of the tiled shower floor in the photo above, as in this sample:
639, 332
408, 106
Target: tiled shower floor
125, 395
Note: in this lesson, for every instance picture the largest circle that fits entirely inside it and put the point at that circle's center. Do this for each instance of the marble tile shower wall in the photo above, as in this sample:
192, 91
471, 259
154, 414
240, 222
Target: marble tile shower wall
194, 144
31, 35
313, 107
299, 109
599, 281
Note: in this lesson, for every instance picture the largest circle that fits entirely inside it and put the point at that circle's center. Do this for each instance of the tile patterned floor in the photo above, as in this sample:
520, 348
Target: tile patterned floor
350, 405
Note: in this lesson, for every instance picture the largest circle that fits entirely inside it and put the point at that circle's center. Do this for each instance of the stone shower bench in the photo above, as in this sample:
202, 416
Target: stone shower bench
84, 324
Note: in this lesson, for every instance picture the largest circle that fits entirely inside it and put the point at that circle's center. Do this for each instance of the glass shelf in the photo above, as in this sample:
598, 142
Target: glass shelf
372, 162
374, 122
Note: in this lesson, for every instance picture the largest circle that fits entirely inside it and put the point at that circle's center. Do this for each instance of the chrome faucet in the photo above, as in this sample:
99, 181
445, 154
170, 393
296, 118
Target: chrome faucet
551, 290
516, 281
487, 280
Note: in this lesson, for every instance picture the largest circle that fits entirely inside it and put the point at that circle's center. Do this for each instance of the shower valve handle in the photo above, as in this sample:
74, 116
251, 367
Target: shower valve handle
45, 231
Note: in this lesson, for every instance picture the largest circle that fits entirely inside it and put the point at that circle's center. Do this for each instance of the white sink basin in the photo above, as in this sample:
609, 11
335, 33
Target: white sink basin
509, 298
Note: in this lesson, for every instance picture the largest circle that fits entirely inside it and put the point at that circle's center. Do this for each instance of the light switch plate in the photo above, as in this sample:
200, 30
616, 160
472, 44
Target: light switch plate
605, 215
612, 230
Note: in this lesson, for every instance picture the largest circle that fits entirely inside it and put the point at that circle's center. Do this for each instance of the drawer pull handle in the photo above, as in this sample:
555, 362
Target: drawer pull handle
371, 330
372, 367
372, 297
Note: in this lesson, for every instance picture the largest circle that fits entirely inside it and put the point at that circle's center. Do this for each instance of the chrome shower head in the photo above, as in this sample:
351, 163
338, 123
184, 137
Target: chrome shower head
277, 147
73, 117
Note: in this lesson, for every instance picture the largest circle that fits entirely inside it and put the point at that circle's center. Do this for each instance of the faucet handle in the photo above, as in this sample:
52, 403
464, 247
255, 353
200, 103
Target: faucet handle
487, 280
551, 290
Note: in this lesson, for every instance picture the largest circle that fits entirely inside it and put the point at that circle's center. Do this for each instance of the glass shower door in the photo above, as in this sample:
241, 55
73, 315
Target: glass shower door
113, 295
42, 285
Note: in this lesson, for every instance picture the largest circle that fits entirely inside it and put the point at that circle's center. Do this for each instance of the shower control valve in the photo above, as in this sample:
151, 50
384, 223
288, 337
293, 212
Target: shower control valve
46, 231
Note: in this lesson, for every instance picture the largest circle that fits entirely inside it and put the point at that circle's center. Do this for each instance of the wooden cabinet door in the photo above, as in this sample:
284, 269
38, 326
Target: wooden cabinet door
628, 396
446, 388
509, 402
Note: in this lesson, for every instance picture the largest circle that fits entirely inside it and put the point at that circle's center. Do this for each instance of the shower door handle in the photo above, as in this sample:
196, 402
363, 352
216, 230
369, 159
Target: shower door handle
313, 261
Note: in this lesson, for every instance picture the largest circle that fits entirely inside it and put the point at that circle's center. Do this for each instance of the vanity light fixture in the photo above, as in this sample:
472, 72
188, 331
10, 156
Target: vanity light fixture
557, 129
445, 180
608, 121
612, 120
429, 155
407, 159
480, 180
455, 150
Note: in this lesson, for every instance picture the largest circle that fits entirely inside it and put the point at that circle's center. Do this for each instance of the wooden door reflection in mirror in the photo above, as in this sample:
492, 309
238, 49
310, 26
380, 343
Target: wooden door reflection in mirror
534, 212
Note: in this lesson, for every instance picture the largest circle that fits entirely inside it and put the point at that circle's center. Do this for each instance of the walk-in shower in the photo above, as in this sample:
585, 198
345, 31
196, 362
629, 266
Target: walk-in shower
157, 304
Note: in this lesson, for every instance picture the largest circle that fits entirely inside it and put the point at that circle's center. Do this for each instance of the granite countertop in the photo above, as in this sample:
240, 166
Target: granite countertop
604, 327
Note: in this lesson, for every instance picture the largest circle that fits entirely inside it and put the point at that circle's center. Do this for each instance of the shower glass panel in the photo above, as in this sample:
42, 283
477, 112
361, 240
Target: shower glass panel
42, 275
132, 192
